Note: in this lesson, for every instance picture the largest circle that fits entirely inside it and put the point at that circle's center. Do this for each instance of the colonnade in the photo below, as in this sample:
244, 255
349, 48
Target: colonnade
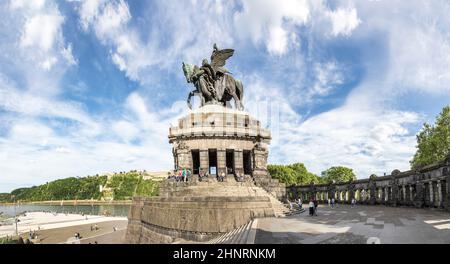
422, 190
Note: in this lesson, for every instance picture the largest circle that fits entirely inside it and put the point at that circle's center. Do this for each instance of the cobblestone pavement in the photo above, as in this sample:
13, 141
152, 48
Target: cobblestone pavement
358, 225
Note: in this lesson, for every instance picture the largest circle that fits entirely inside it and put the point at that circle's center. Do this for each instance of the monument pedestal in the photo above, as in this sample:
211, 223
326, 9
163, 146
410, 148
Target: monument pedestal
220, 141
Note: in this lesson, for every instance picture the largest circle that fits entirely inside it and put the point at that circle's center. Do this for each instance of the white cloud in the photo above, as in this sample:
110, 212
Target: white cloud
29, 104
48, 63
112, 17
126, 130
278, 41
41, 31
35, 4
33, 44
328, 75
66, 52
89, 11
417, 44
365, 133
368, 140
344, 21
39, 150
272, 22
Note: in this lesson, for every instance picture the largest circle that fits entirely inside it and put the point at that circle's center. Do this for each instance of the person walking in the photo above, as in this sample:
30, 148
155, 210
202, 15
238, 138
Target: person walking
332, 202
299, 203
311, 207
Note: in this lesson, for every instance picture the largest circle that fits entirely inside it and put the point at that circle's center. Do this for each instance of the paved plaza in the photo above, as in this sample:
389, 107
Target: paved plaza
360, 225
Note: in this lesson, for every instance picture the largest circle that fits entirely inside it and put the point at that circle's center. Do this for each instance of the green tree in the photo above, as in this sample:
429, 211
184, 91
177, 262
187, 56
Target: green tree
433, 141
5, 197
338, 174
293, 174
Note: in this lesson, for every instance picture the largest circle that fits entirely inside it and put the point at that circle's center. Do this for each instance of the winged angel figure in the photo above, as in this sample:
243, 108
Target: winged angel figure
214, 83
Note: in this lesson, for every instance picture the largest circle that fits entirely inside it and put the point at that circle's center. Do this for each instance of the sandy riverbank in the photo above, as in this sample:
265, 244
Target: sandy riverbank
74, 202
63, 225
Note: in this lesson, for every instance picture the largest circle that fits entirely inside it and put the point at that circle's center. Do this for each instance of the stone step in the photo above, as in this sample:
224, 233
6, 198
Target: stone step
226, 189
236, 236
243, 239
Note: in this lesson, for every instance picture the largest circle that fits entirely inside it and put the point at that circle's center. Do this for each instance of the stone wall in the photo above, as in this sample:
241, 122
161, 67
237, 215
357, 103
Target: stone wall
425, 187
164, 219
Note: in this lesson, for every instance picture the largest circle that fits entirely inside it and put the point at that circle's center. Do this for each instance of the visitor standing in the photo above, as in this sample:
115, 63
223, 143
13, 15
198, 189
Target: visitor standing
299, 203
332, 202
184, 175
311, 207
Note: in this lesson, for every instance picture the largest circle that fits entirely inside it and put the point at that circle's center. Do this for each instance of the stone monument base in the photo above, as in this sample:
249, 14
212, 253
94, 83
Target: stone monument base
197, 211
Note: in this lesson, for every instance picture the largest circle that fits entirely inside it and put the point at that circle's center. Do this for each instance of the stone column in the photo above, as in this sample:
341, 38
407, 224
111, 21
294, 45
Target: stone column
437, 201
430, 185
383, 195
411, 194
420, 193
204, 160
373, 195
411, 197
260, 174
404, 194
387, 196
407, 195
238, 161
446, 193
184, 159
221, 161
439, 189
394, 194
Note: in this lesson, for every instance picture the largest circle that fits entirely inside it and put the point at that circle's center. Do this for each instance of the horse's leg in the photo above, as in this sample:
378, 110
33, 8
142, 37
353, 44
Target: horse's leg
189, 99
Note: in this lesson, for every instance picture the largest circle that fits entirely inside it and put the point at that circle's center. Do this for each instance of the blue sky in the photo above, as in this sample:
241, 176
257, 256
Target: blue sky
92, 86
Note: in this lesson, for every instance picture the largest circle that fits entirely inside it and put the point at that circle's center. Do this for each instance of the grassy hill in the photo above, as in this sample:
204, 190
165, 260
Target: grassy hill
117, 186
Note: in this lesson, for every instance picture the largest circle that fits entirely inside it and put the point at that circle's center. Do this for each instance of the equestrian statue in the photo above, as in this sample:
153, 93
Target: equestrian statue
213, 83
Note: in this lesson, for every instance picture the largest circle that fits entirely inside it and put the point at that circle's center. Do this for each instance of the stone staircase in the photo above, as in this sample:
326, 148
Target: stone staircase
281, 209
244, 234
225, 189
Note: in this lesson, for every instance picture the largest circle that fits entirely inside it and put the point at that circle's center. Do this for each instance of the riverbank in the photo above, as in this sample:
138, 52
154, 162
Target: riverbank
58, 228
72, 202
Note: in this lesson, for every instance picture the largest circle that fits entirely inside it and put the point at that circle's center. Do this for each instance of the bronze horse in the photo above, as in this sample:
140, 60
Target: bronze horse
226, 87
